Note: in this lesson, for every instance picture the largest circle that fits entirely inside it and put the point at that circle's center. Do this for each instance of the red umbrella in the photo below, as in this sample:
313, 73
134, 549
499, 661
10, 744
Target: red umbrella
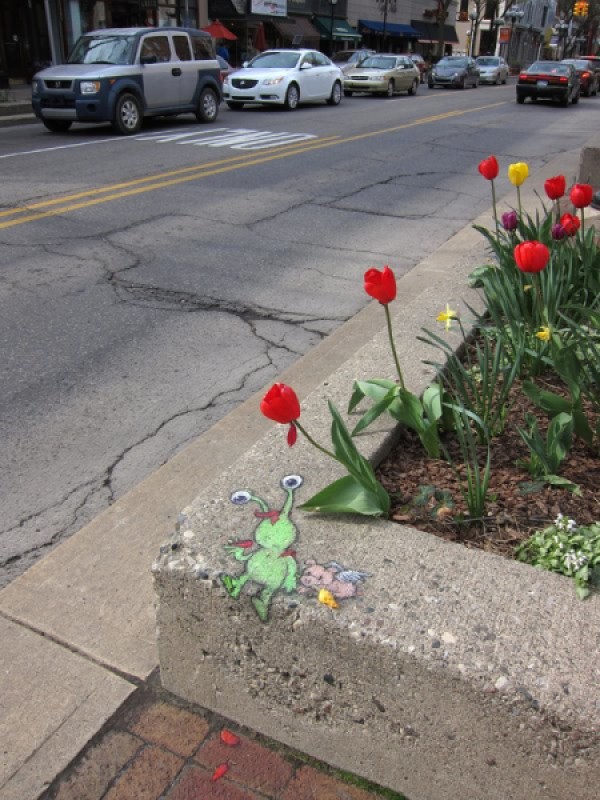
218, 31
260, 41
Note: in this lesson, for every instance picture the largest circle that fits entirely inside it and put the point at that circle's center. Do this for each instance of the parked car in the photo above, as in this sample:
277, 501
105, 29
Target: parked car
549, 80
348, 59
383, 73
225, 67
455, 71
492, 69
420, 63
286, 78
121, 75
594, 60
589, 78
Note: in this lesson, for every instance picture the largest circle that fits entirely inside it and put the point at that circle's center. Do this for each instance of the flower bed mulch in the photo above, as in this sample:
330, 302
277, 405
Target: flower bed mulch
514, 509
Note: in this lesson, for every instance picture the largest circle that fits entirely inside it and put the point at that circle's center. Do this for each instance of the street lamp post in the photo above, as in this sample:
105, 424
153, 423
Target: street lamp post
513, 15
563, 32
473, 17
333, 5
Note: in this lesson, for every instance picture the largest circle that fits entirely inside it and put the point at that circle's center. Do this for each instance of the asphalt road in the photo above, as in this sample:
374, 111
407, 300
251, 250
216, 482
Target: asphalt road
149, 284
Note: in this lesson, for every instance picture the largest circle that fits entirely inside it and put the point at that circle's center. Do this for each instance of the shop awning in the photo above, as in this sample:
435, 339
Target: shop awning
297, 30
429, 32
391, 28
342, 30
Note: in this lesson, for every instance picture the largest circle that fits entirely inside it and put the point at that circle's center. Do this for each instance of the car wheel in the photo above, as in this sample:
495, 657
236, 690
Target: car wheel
347, 93
414, 87
234, 105
208, 106
575, 99
476, 84
57, 125
462, 84
497, 81
390, 89
292, 97
431, 85
335, 97
504, 80
128, 117
520, 99
564, 101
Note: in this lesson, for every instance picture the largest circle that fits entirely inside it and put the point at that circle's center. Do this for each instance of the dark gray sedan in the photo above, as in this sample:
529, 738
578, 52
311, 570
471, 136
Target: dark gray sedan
549, 80
454, 71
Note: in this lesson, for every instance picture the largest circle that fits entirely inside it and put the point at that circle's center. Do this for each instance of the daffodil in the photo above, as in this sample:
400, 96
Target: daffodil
543, 334
518, 173
447, 316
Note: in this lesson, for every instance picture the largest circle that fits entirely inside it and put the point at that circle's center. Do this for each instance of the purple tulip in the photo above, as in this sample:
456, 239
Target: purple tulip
510, 220
558, 232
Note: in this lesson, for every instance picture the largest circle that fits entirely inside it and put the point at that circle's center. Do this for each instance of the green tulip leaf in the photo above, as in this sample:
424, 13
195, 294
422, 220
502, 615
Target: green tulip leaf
347, 496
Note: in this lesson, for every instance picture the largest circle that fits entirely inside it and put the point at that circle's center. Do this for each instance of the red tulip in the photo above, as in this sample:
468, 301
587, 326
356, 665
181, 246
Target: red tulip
281, 405
581, 195
381, 284
229, 738
555, 187
531, 256
570, 223
489, 168
219, 772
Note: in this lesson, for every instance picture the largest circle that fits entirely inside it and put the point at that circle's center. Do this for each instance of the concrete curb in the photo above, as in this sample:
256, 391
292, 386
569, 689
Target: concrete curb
92, 597
456, 665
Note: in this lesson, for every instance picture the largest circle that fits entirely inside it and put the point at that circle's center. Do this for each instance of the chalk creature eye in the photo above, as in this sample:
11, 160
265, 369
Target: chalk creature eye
292, 481
241, 497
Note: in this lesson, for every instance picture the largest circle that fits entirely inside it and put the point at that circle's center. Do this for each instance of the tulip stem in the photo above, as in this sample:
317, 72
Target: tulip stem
393, 346
305, 433
495, 211
582, 224
519, 201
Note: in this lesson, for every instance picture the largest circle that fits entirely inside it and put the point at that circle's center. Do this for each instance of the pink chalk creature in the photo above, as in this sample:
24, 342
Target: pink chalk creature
341, 582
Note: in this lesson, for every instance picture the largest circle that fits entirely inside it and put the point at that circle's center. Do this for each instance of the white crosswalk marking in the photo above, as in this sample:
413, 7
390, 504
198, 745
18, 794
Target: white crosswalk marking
235, 138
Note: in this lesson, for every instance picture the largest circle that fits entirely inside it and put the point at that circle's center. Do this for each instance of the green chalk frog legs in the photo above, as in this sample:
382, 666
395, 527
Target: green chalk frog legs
269, 557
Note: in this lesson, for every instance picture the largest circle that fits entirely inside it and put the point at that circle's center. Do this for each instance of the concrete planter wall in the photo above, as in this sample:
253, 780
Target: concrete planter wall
454, 673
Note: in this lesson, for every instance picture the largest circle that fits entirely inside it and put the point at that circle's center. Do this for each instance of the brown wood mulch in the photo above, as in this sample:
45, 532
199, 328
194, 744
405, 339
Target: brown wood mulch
512, 514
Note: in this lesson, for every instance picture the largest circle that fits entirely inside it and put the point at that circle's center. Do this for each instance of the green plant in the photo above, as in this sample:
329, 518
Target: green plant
547, 454
476, 480
568, 550
482, 378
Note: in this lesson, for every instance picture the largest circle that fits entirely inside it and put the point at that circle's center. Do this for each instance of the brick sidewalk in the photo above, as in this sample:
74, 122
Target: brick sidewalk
158, 748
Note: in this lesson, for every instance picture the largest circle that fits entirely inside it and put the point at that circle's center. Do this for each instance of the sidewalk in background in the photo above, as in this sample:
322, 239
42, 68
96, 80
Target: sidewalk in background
15, 104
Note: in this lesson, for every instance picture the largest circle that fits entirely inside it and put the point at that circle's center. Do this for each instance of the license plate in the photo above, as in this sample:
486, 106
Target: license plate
542, 83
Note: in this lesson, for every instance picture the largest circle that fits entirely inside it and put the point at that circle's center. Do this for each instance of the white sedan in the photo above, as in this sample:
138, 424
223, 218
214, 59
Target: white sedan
284, 77
492, 69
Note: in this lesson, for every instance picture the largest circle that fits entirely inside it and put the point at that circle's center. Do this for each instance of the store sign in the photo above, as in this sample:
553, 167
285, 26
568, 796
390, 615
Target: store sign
504, 35
271, 8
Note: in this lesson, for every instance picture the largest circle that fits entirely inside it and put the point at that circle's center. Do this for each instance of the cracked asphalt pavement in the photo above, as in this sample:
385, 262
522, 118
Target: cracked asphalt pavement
130, 326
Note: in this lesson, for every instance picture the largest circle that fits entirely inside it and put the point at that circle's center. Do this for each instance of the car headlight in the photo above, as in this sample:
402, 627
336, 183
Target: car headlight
226, 80
35, 86
274, 81
89, 87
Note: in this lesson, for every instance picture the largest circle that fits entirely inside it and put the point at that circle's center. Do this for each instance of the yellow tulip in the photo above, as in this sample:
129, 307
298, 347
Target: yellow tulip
543, 334
518, 173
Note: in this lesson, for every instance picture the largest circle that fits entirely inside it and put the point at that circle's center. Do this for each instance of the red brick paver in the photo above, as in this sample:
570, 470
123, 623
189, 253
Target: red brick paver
196, 784
250, 763
169, 726
149, 775
310, 784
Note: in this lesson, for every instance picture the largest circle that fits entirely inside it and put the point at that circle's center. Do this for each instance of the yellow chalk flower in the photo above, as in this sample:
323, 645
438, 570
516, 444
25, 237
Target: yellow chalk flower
518, 173
447, 316
327, 598
544, 334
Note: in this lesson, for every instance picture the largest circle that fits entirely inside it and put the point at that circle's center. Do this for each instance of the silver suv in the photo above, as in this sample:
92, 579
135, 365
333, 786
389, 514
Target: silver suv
121, 75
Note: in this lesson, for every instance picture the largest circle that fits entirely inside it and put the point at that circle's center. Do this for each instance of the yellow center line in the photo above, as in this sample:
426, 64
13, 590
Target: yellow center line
184, 175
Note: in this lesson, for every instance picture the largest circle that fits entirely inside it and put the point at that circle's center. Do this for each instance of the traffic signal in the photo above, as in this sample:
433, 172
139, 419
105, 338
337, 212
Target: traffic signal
580, 9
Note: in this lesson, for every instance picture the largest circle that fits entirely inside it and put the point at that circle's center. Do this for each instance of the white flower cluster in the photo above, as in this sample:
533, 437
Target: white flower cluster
565, 524
574, 559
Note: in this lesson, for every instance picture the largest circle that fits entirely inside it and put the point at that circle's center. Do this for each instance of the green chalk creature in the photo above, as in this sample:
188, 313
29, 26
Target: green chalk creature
270, 561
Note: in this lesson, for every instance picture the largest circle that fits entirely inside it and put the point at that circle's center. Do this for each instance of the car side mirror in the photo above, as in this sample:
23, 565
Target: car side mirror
144, 60
304, 65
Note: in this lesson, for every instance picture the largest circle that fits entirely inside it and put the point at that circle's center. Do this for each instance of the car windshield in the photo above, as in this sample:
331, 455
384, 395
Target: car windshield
274, 61
549, 68
452, 61
109, 49
487, 61
379, 62
346, 56
578, 63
